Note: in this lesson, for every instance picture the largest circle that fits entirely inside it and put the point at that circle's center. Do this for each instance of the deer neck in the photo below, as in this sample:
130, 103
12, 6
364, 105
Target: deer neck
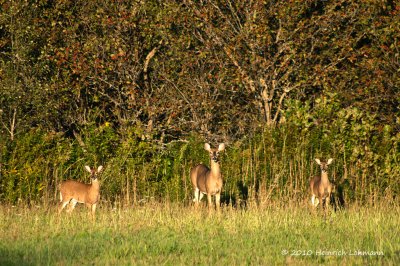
95, 184
215, 169
324, 178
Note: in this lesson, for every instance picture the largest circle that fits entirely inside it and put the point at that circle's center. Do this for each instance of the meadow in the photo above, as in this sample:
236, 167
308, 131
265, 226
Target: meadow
174, 234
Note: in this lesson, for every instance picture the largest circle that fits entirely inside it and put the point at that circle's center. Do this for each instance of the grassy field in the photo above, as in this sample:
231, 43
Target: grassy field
170, 234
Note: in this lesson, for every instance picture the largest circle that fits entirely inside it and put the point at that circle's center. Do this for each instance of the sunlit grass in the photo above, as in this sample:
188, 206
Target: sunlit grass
173, 234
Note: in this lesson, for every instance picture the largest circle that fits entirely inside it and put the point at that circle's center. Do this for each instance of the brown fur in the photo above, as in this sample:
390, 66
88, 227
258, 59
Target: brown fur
72, 192
208, 181
320, 186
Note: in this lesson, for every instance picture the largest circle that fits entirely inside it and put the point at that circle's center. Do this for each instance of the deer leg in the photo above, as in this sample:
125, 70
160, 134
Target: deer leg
196, 196
327, 203
93, 210
320, 200
314, 201
201, 196
72, 206
62, 206
323, 205
209, 201
217, 200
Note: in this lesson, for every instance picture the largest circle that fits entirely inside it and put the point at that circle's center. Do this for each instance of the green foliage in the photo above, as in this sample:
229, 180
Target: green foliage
28, 165
361, 144
254, 169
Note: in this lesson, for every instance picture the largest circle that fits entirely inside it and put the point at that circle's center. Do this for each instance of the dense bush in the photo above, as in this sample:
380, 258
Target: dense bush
272, 165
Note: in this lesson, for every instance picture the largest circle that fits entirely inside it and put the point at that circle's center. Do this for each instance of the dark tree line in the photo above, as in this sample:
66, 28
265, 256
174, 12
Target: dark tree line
171, 67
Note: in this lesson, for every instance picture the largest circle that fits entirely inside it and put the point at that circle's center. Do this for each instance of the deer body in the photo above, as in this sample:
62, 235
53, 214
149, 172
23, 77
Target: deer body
82, 193
321, 188
73, 192
208, 181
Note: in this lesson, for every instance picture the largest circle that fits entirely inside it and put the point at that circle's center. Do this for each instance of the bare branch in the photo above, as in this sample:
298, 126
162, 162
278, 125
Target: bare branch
11, 129
80, 141
148, 58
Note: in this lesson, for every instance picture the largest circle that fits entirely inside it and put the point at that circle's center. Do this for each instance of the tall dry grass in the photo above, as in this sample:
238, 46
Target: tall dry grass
170, 233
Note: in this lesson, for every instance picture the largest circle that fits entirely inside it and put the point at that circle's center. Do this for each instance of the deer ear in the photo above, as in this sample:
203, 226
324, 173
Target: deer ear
207, 147
88, 168
99, 169
318, 161
329, 161
221, 147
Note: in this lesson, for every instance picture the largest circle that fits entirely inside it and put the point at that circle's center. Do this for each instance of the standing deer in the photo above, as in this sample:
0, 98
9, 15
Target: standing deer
321, 188
72, 191
208, 181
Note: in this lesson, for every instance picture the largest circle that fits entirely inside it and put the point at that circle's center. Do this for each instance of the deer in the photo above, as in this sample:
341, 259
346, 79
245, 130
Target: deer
208, 181
321, 188
73, 192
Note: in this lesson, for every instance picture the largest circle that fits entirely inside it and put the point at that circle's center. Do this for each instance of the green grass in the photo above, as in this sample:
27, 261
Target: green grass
171, 234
